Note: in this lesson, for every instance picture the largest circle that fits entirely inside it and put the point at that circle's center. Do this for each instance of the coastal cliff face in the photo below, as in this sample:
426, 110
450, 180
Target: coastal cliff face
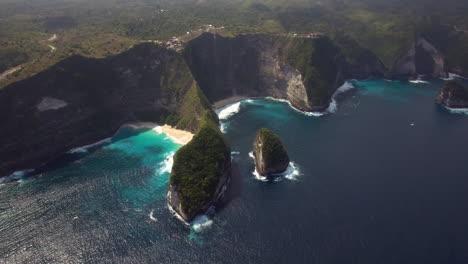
201, 173
305, 71
422, 59
80, 101
247, 65
453, 95
269, 153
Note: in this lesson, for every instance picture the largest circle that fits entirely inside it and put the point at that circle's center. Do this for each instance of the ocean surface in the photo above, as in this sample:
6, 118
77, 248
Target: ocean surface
382, 178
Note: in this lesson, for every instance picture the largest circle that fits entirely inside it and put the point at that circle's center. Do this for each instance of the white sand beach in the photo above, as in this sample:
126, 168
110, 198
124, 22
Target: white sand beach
179, 136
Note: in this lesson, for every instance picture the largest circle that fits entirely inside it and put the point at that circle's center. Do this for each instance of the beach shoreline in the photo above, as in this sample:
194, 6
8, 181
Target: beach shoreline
179, 136
229, 101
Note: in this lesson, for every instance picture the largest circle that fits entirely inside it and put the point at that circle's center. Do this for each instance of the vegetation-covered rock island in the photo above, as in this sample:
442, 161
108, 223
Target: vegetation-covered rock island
201, 173
453, 95
269, 153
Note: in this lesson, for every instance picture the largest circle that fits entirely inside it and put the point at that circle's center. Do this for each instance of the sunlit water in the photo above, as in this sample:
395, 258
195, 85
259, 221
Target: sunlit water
384, 179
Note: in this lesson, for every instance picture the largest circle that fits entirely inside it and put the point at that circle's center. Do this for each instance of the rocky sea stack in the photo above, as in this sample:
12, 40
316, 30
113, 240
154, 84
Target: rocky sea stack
201, 173
269, 153
453, 95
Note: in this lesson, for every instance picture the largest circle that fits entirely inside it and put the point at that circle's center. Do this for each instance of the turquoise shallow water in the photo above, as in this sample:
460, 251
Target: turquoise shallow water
382, 180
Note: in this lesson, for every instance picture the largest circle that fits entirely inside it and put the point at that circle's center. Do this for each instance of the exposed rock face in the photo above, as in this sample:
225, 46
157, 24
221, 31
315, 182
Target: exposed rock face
422, 59
269, 153
453, 95
201, 173
80, 101
241, 66
305, 72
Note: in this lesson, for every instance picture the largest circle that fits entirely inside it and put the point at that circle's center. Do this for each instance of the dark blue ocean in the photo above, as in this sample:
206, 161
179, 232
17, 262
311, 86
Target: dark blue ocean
383, 179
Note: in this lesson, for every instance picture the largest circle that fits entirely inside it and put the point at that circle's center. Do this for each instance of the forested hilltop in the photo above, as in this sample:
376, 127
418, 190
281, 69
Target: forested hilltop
108, 27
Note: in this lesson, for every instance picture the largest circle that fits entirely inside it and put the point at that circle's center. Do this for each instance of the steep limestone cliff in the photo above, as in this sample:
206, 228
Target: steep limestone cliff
201, 173
305, 71
80, 101
269, 153
422, 59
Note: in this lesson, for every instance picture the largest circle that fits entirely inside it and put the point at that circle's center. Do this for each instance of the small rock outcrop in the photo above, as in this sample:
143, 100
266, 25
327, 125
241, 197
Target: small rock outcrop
201, 173
269, 153
453, 95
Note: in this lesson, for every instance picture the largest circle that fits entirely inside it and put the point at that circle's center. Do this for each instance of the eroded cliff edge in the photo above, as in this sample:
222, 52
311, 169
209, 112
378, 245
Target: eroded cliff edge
423, 59
305, 71
80, 101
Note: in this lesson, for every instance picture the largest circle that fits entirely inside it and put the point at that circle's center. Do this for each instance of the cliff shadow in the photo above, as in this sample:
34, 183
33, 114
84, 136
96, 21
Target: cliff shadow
235, 188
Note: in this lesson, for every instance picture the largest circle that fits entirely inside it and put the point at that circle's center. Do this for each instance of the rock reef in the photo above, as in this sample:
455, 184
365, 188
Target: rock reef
270, 156
453, 95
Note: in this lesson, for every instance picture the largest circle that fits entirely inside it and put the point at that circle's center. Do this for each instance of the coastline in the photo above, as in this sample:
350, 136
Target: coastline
229, 101
332, 108
179, 136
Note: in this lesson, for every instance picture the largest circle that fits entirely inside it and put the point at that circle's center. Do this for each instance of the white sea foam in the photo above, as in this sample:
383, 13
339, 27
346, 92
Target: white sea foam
201, 223
418, 81
453, 76
223, 127
85, 149
166, 165
333, 107
152, 218
316, 114
15, 176
259, 177
228, 111
291, 173
457, 110
174, 213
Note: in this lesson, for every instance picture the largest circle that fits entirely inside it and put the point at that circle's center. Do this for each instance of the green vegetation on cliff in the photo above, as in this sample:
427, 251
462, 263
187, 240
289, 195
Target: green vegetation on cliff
199, 166
147, 83
273, 152
316, 59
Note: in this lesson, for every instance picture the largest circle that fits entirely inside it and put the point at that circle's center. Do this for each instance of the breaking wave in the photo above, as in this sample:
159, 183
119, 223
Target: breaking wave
333, 107
166, 165
316, 114
201, 222
151, 216
418, 81
463, 111
15, 176
453, 76
85, 149
292, 173
228, 111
